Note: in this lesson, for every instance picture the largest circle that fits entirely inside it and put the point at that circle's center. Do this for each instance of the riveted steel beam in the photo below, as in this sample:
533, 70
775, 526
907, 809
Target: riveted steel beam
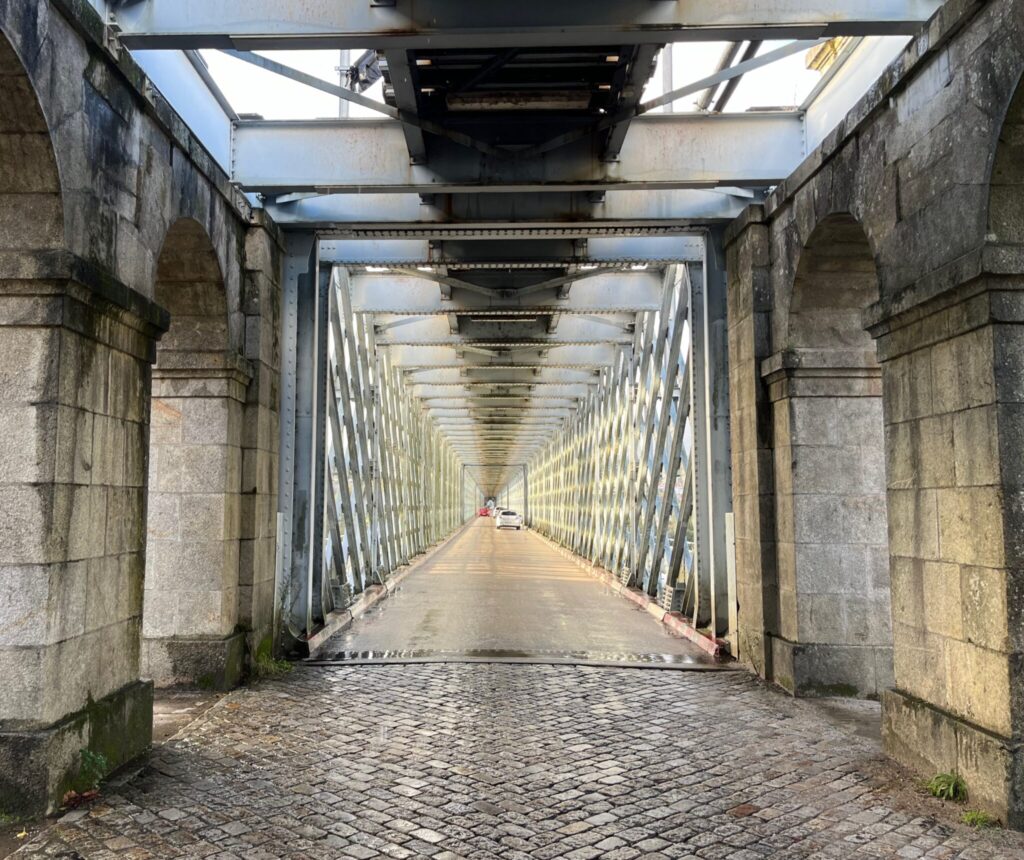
572, 214
666, 151
407, 294
572, 356
518, 248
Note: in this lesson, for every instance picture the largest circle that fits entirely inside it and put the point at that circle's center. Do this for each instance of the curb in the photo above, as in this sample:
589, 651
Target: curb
675, 622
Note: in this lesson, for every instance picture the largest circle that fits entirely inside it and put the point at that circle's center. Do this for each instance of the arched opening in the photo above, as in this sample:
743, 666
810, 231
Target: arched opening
31, 211
835, 281
1006, 190
191, 592
72, 377
833, 559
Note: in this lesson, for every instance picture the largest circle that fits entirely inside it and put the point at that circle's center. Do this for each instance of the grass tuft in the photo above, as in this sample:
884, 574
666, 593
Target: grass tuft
266, 666
948, 786
977, 818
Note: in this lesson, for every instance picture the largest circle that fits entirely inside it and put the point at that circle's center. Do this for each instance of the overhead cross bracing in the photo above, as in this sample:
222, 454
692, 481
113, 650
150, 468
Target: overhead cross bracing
507, 348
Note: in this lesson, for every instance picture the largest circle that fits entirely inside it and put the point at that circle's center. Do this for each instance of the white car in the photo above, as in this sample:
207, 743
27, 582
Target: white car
509, 519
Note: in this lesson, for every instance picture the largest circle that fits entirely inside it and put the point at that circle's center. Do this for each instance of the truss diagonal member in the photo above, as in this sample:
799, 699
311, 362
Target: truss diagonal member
485, 72
731, 72
401, 76
380, 328
406, 118
719, 77
732, 50
450, 282
465, 347
564, 280
749, 55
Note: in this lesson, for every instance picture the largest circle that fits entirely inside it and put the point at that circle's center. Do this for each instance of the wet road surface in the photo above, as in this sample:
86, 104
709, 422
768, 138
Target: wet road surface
494, 595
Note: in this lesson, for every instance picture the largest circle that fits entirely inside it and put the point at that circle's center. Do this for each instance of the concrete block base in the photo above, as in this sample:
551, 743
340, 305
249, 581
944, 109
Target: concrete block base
37, 767
929, 740
815, 669
214, 664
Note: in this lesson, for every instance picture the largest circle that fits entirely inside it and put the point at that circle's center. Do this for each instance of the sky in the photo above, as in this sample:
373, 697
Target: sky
253, 90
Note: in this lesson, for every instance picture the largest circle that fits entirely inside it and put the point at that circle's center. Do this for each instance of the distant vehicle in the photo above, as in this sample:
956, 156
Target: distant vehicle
496, 511
484, 512
509, 519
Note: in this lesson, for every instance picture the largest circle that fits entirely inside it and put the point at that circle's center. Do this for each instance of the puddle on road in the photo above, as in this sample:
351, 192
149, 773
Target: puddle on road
485, 655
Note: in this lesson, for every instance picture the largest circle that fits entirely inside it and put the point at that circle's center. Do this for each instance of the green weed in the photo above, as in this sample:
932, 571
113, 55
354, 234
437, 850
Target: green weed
948, 786
92, 767
266, 666
977, 818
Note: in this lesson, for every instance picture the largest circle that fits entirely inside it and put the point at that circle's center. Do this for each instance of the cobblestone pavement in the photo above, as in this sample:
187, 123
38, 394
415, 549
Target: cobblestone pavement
499, 761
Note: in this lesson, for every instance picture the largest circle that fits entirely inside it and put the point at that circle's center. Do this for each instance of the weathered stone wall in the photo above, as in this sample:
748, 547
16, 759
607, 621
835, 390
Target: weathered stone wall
199, 382
261, 305
913, 166
94, 170
72, 505
751, 428
832, 565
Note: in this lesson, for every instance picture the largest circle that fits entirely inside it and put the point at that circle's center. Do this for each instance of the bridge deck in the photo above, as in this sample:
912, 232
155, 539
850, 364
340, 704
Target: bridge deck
494, 594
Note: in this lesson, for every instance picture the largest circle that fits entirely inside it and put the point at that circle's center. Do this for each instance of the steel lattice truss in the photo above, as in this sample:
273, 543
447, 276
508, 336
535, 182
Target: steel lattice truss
395, 486
618, 486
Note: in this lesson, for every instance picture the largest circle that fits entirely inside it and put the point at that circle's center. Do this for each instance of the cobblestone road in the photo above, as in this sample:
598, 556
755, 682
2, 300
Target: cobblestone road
499, 761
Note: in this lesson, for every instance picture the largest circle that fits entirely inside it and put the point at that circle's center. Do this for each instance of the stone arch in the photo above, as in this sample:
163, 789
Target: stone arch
1006, 188
75, 348
190, 285
832, 546
191, 593
31, 208
835, 280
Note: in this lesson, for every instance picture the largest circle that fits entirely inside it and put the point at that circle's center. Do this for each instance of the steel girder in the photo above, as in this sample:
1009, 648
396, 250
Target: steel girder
464, 391
441, 24
413, 296
571, 356
383, 216
661, 151
522, 247
498, 376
